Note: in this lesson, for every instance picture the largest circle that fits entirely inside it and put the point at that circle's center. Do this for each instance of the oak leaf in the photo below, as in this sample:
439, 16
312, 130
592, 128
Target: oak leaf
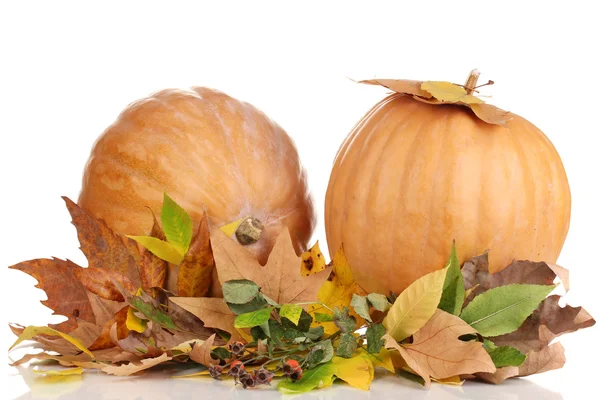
200, 353
336, 292
436, 352
279, 279
66, 295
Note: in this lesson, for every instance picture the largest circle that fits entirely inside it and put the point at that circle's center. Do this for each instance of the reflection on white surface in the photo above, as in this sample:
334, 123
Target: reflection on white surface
158, 385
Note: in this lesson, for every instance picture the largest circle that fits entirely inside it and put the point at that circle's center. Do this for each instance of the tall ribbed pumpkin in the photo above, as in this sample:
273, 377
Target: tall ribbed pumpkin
412, 177
207, 151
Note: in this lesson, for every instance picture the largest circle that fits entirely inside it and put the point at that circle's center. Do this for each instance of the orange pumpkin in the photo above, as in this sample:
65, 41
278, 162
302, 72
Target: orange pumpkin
207, 151
412, 177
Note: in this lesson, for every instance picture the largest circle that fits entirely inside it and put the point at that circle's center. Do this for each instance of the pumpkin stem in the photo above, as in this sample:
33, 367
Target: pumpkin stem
249, 231
471, 83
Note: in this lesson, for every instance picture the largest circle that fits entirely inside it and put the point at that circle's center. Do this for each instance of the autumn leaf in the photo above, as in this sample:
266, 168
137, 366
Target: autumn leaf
313, 261
135, 366
444, 91
453, 295
503, 309
31, 332
200, 353
437, 352
135, 323
336, 292
214, 312
382, 359
104, 341
415, 305
291, 312
319, 377
547, 359
195, 272
279, 279
66, 295
102, 247
401, 86
153, 270
491, 114
230, 228
102, 282
59, 372
357, 371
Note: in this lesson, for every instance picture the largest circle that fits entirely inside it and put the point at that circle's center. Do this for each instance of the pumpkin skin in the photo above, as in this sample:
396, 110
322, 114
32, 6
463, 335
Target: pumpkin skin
207, 151
412, 177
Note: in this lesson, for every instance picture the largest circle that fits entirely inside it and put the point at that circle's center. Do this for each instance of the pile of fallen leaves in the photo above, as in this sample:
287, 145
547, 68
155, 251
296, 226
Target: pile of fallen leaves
298, 319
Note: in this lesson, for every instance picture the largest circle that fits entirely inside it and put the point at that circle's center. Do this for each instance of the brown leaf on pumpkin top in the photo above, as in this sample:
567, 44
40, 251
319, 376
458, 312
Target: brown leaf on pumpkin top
476, 273
195, 272
66, 295
405, 86
436, 351
102, 247
201, 352
280, 278
549, 321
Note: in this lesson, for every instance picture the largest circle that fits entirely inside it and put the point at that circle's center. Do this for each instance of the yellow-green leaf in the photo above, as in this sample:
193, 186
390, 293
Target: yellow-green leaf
382, 359
444, 91
177, 225
135, 323
291, 312
60, 372
230, 228
357, 371
32, 331
161, 249
415, 305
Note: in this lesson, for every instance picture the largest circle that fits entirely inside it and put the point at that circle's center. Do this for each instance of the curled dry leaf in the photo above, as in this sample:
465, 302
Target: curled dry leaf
200, 353
135, 366
437, 352
195, 272
66, 295
279, 279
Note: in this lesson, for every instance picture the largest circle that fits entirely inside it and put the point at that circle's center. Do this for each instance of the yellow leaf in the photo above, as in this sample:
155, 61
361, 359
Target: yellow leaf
415, 305
470, 99
32, 331
230, 229
60, 372
161, 249
453, 381
357, 371
444, 91
337, 291
382, 359
135, 366
313, 261
135, 323
184, 347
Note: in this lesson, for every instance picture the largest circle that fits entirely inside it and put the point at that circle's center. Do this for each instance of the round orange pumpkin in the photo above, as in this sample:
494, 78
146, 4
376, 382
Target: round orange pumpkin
412, 177
208, 151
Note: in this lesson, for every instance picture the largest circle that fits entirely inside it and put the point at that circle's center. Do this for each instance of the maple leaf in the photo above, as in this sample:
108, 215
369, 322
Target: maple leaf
200, 353
280, 278
437, 352
66, 295
103, 282
337, 292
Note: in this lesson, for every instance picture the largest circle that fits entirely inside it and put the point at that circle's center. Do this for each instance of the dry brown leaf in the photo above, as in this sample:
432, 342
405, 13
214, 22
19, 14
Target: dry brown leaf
476, 273
499, 376
195, 272
104, 340
405, 86
135, 366
214, 312
547, 359
102, 247
85, 333
437, 352
549, 321
101, 282
201, 353
66, 295
103, 309
280, 278
491, 114
153, 270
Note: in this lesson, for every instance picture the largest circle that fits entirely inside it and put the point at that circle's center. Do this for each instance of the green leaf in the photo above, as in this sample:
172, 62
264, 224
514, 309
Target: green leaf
379, 302
316, 378
161, 249
453, 294
255, 304
343, 320
152, 313
503, 309
315, 357
321, 317
411, 377
258, 333
374, 334
240, 291
254, 318
504, 356
276, 333
220, 353
347, 345
315, 333
177, 225
291, 312
303, 324
327, 350
361, 306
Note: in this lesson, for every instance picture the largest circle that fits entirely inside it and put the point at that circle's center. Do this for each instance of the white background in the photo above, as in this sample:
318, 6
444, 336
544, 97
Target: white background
68, 69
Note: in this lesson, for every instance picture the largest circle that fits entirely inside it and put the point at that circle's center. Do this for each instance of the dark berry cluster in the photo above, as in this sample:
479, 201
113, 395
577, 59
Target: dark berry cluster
248, 379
